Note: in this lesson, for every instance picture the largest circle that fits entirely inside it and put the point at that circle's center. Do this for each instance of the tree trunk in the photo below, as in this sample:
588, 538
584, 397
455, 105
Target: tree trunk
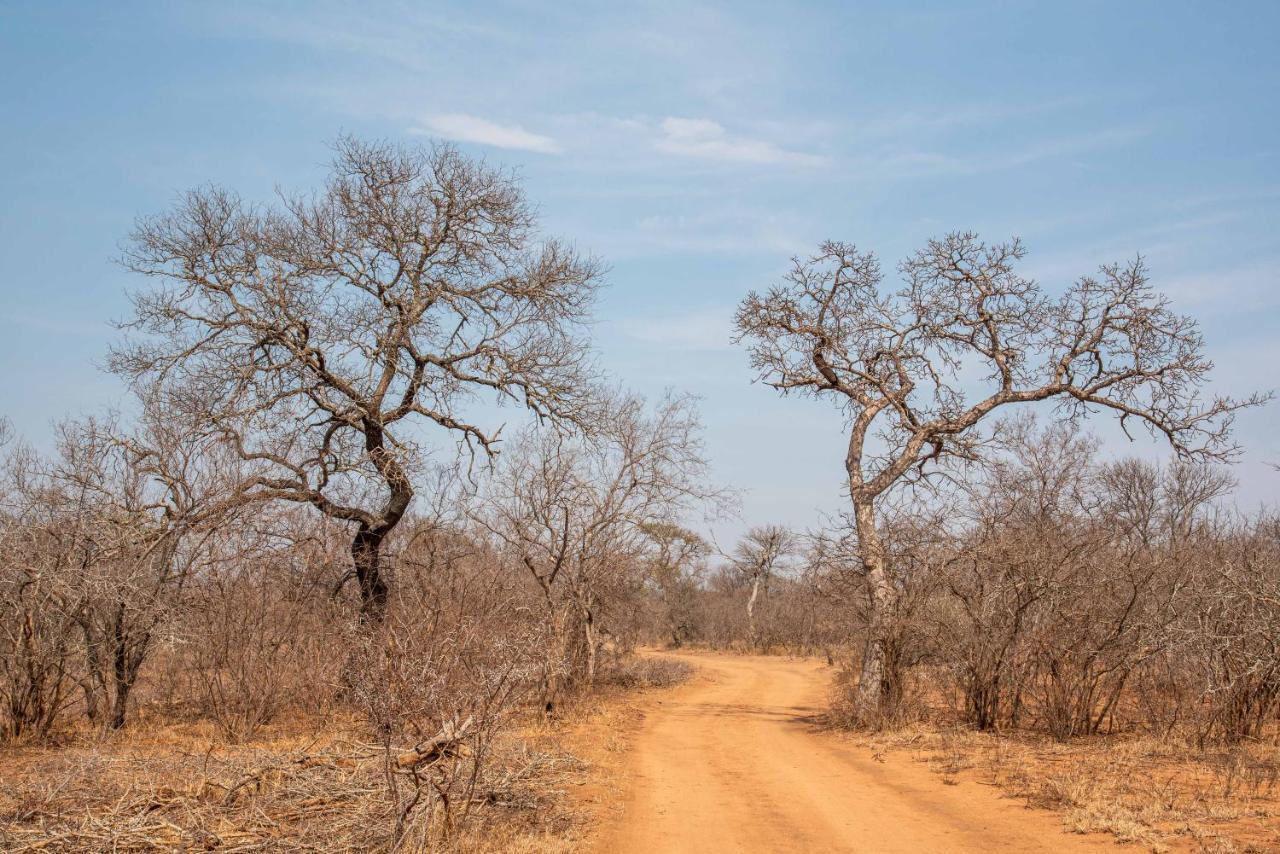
120, 704
366, 547
589, 631
751, 612
878, 686
366, 556
129, 651
556, 650
982, 697
93, 683
119, 670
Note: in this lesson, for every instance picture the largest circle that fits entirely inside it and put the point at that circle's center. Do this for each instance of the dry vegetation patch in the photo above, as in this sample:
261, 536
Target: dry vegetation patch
1160, 795
325, 791
316, 784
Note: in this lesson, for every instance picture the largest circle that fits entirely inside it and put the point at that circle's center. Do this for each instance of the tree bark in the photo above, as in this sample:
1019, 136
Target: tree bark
878, 685
93, 683
366, 556
130, 650
366, 546
589, 635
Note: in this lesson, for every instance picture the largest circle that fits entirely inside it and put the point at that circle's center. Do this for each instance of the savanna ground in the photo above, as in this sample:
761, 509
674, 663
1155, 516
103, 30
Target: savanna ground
686, 750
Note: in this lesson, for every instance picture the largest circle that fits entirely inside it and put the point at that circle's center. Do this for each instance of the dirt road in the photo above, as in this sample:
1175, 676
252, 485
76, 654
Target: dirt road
733, 762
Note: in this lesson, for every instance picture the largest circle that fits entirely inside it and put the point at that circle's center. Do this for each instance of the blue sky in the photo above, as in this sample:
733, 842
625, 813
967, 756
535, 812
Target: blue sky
694, 146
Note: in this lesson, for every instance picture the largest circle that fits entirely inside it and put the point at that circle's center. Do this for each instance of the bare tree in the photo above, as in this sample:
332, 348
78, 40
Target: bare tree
314, 336
918, 369
36, 633
578, 514
677, 559
757, 559
131, 514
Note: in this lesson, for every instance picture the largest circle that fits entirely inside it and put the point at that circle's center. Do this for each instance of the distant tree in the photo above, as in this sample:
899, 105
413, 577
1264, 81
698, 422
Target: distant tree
579, 514
918, 369
316, 336
756, 560
678, 557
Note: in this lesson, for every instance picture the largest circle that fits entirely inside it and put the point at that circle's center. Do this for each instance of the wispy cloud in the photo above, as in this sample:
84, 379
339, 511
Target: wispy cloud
705, 329
1165, 246
466, 128
405, 35
1069, 146
708, 139
901, 162
1231, 291
738, 231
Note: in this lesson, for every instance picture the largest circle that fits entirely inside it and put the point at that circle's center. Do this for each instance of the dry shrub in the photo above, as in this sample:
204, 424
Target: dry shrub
437, 683
430, 761
259, 641
631, 672
37, 659
257, 629
36, 655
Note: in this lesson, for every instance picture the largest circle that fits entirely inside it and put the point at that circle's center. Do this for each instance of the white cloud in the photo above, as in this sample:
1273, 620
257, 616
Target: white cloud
707, 139
464, 128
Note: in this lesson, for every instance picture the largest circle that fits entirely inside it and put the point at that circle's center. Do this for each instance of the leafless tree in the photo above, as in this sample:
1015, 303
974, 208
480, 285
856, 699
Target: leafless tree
456, 654
315, 335
760, 556
576, 513
675, 565
132, 511
917, 369
1019, 542
36, 632
257, 626
1232, 637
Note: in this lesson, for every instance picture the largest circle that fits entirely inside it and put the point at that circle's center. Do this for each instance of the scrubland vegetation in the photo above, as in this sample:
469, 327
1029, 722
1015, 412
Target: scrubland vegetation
304, 596
1096, 637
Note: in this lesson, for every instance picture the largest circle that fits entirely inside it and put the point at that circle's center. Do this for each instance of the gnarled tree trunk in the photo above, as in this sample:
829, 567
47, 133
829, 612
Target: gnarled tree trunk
366, 546
366, 557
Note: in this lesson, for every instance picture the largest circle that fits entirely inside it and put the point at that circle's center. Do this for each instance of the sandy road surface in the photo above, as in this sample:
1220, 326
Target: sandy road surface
732, 762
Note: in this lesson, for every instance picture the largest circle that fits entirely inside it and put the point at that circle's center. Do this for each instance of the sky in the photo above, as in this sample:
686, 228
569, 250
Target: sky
695, 147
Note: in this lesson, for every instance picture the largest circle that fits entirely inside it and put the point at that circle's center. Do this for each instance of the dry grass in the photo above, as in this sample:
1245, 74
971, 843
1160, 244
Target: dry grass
309, 784
1162, 796
300, 791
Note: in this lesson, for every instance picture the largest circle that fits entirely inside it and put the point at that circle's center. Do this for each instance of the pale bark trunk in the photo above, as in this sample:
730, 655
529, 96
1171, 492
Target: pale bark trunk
751, 612
877, 686
557, 649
